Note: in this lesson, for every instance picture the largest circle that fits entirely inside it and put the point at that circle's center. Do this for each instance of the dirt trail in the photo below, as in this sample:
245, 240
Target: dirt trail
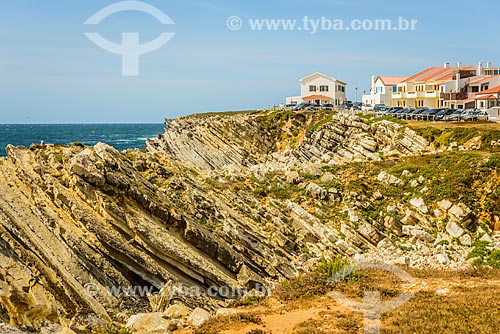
280, 318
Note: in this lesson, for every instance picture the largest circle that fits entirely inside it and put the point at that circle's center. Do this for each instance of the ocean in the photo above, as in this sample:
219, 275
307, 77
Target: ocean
120, 136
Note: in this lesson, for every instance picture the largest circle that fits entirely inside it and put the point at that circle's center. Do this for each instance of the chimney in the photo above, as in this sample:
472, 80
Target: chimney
446, 65
459, 64
480, 68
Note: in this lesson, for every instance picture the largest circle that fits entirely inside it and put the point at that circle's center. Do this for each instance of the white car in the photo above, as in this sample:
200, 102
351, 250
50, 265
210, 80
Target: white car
367, 107
483, 116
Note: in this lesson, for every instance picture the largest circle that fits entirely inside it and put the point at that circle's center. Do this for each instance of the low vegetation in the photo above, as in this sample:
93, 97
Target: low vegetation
465, 306
110, 329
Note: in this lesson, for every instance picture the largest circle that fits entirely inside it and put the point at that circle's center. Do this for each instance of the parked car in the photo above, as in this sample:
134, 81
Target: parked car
313, 107
348, 104
357, 105
384, 109
475, 115
455, 116
483, 116
415, 113
377, 107
367, 107
289, 106
388, 110
327, 106
302, 106
402, 114
427, 115
443, 113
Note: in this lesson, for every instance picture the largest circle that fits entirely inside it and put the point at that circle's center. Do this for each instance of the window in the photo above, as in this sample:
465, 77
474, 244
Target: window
312, 88
394, 89
340, 88
475, 89
323, 88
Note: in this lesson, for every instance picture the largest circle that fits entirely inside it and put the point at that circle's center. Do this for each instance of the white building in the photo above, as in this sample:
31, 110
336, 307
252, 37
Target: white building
319, 88
381, 90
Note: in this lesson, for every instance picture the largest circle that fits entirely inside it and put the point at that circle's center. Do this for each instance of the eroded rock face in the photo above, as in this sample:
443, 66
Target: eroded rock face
73, 230
89, 235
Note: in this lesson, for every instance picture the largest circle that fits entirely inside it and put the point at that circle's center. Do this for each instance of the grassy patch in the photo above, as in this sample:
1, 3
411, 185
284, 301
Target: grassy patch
217, 324
110, 329
370, 119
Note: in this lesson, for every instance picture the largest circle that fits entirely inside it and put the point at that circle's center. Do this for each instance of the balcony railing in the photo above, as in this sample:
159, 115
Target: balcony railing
454, 96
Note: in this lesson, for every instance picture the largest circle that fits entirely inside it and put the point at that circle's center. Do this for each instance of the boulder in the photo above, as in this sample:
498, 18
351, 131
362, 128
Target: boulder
222, 312
389, 179
444, 205
454, 230
293, 177
84, 164
466, 240
177, 311
316, 191
419, 204
150, 323
198, 317
327, 178
443, 259
459, 212
312, 170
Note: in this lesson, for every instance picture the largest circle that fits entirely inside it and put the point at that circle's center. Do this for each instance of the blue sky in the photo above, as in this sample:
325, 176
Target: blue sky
51, 73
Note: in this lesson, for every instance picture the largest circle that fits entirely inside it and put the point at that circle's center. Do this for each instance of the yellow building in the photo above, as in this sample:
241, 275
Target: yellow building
423, 89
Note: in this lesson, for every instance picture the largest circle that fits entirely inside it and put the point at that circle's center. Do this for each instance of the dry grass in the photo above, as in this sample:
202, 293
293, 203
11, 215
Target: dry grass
469, 305
454, 125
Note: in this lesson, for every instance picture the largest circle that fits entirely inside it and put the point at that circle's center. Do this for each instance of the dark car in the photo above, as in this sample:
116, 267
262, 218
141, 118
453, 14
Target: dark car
440, 116
302, 106
393, 110
327, 106
427, 115
377, 107
470, 115
348, 104
417, 112
313, 107
455, 116
406, 111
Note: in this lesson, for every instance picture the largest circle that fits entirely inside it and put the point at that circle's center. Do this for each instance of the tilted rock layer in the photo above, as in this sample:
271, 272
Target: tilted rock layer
237, 201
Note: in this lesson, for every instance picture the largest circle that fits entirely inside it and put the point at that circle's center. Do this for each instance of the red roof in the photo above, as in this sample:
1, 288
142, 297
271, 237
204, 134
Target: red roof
392, 80
488, 97
316, 97
493, 90
436, 73
481, 78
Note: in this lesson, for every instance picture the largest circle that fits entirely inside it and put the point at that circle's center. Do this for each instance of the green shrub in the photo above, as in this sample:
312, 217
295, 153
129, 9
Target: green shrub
483, 256
318, 281
110, 329
257, 331
493, 162
77, 144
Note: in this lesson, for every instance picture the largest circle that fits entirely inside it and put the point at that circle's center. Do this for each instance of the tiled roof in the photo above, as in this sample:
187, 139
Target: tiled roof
488, 97
480, 78
317, 97
493, 90
437, 73
392, 80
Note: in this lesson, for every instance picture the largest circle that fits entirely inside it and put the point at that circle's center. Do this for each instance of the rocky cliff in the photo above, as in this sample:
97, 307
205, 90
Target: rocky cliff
222, 204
